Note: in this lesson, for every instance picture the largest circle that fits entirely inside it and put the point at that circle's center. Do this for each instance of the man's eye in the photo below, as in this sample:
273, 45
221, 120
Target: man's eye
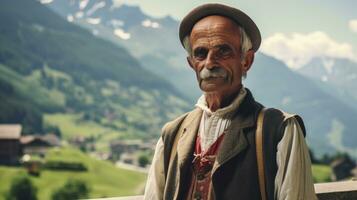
224, 50
200, 53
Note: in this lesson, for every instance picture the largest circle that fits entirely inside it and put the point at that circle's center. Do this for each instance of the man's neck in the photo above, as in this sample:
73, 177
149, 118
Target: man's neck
217, 100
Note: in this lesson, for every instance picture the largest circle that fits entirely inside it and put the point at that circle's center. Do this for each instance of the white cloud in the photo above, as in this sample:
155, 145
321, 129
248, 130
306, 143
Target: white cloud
122, 34
149, 23
46, 1
83, 4
298, 49
79, 14
94, 21
352, 24
70, 18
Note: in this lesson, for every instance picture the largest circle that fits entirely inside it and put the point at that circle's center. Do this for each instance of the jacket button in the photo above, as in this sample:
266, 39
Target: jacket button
200, 176
197, 196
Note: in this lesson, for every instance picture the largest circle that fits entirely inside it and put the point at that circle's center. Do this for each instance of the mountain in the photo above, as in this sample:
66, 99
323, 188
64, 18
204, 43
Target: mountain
330, 123
329, 119
339, 76
49, 65
153, 41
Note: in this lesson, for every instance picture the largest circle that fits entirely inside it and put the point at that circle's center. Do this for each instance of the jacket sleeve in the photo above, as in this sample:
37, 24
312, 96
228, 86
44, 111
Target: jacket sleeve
156, 178
294, 179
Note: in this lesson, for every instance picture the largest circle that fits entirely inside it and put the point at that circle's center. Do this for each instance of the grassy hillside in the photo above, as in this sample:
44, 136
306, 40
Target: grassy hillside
49, 65
104, 179
321, 173
72, 125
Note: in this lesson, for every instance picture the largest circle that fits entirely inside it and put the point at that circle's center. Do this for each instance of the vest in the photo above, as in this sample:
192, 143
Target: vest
235, 172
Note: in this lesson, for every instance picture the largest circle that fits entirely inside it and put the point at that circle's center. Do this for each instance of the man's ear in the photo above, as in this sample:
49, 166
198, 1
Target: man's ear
248, 60
190, 62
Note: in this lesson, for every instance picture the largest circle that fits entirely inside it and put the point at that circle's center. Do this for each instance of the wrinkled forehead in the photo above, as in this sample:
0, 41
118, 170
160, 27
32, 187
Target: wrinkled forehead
215, 27
213, 21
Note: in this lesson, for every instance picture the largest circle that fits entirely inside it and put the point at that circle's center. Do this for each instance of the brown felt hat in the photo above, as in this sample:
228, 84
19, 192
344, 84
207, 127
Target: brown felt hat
236, 15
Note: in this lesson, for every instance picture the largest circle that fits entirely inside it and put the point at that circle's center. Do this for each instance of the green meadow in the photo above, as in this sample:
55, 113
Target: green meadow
321, 173
102, 177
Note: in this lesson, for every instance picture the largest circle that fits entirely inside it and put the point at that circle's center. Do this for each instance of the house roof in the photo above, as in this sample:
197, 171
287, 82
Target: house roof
27, 139
340, 161
49, 139
10, 131
30, 140
52, 139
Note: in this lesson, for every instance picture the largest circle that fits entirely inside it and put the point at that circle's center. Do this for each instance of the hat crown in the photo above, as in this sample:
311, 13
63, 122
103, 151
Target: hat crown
234, 14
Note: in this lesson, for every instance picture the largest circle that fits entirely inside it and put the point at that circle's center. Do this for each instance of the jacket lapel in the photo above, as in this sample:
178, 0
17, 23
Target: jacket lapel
188, 135
235, 141
185, 145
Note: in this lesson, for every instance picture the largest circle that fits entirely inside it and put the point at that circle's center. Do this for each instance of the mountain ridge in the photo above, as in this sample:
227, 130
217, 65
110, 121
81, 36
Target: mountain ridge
87, 74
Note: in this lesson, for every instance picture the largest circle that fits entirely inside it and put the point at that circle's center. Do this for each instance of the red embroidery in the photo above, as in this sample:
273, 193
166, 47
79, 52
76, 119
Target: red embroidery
202, 167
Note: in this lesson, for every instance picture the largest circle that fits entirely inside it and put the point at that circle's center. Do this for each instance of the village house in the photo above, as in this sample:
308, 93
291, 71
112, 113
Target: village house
119, 147
83, 143
128, 159
10, 147
13, 145
342, 168
38, 144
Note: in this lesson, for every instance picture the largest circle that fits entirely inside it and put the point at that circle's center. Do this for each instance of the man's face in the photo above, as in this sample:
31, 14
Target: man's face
216, 55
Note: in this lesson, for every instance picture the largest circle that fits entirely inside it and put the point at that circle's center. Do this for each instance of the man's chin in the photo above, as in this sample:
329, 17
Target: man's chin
213, 84
211, 87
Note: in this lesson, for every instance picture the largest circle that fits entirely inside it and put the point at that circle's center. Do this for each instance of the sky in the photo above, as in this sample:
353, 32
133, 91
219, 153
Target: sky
293, 30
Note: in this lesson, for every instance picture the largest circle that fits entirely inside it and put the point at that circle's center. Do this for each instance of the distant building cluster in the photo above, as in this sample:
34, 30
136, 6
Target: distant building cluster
13, 145
126, 150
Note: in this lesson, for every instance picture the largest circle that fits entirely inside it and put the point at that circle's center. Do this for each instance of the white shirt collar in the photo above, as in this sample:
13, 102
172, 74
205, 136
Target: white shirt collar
202, 103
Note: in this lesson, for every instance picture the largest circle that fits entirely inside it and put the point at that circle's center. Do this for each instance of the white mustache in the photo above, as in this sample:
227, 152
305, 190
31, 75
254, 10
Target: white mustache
215, 72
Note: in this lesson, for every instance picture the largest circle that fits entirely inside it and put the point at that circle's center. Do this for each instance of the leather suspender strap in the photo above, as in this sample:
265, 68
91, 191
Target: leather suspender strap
259, 152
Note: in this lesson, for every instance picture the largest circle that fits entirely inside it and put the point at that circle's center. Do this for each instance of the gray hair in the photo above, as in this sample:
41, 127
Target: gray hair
246, 43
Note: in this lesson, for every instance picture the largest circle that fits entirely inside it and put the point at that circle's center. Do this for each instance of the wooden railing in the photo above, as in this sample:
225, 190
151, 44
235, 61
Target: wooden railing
346, 190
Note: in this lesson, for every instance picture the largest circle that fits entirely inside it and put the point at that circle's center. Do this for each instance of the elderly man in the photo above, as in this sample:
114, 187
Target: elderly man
229, 146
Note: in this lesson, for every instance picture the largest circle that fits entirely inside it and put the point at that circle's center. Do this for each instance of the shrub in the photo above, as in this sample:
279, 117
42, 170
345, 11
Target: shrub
143, 160
22, 189
72, 189
64, 165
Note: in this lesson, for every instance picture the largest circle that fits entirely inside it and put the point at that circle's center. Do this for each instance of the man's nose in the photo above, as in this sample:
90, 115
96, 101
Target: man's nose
211, 60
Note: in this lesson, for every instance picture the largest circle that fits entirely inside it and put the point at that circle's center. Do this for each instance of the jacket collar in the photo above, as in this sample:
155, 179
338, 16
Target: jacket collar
235, 141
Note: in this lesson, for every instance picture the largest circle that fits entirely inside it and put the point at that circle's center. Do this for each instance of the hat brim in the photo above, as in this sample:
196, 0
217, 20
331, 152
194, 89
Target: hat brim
234, 14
